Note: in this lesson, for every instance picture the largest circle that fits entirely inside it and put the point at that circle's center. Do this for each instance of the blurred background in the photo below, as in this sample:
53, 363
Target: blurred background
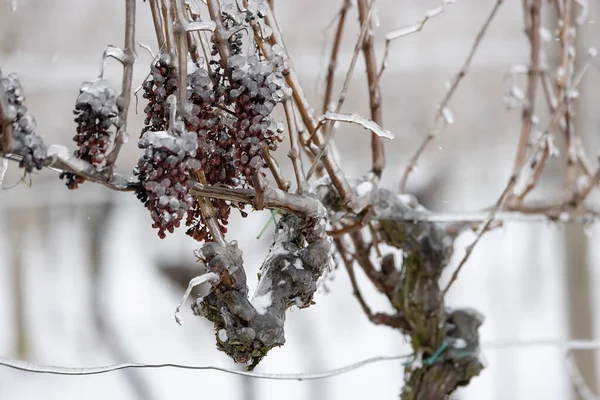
85, 280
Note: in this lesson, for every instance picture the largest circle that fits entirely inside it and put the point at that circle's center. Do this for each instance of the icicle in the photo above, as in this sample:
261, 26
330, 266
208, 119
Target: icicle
3, 168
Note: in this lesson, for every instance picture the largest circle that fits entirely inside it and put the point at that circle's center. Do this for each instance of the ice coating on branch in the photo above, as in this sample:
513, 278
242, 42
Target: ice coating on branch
287, 277
3, 168
24, 140
262, 302
258, 7
98, 96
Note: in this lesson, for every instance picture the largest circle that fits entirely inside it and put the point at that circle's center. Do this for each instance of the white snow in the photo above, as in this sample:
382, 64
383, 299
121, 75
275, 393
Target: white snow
526, 175
298, 264
222, 334
364, 188
448, 116
299, 302
59, 151
262, 302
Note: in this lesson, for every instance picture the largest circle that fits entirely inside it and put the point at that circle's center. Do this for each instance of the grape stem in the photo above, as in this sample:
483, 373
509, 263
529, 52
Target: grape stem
221, 33
208, 214
124, 98
274, 168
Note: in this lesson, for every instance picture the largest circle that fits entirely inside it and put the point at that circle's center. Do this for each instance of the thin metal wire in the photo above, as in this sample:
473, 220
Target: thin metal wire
72, 371
566, 345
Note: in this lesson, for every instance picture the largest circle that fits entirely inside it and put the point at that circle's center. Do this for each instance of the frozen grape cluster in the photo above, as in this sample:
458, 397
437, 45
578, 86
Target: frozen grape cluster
229, 117
161, 83
95, 110
24, 141
256, 88
164, 172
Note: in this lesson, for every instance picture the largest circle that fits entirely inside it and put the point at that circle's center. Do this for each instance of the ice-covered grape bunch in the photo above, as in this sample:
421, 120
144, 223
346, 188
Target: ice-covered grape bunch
229, 109
95, 110
161, 83
24, 141
164, 172
256, 88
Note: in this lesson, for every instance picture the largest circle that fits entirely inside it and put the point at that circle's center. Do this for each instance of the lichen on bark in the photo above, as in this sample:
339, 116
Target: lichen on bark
448, 340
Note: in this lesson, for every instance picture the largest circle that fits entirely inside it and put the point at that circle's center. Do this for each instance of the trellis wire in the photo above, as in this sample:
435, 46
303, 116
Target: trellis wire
563, 345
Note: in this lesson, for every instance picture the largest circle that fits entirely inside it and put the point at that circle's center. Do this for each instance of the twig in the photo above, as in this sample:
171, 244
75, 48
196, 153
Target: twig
536, 165
329, 80
337, 233
515, 175
533, 11
378, 153
124, 98
480, 231
583, 160
548, 90
433, 128
274, 168
561, 107
577, 380
361, 255
578, 198
376, 318
563, 80
156, 18
409, 30
342, 96
294, 153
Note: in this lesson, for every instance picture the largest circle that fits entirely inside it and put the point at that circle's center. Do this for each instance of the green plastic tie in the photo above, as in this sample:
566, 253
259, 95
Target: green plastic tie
434, 357
269, 221
431, 359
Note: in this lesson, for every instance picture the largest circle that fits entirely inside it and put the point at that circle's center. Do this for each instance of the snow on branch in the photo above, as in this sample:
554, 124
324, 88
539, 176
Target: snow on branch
247, 328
